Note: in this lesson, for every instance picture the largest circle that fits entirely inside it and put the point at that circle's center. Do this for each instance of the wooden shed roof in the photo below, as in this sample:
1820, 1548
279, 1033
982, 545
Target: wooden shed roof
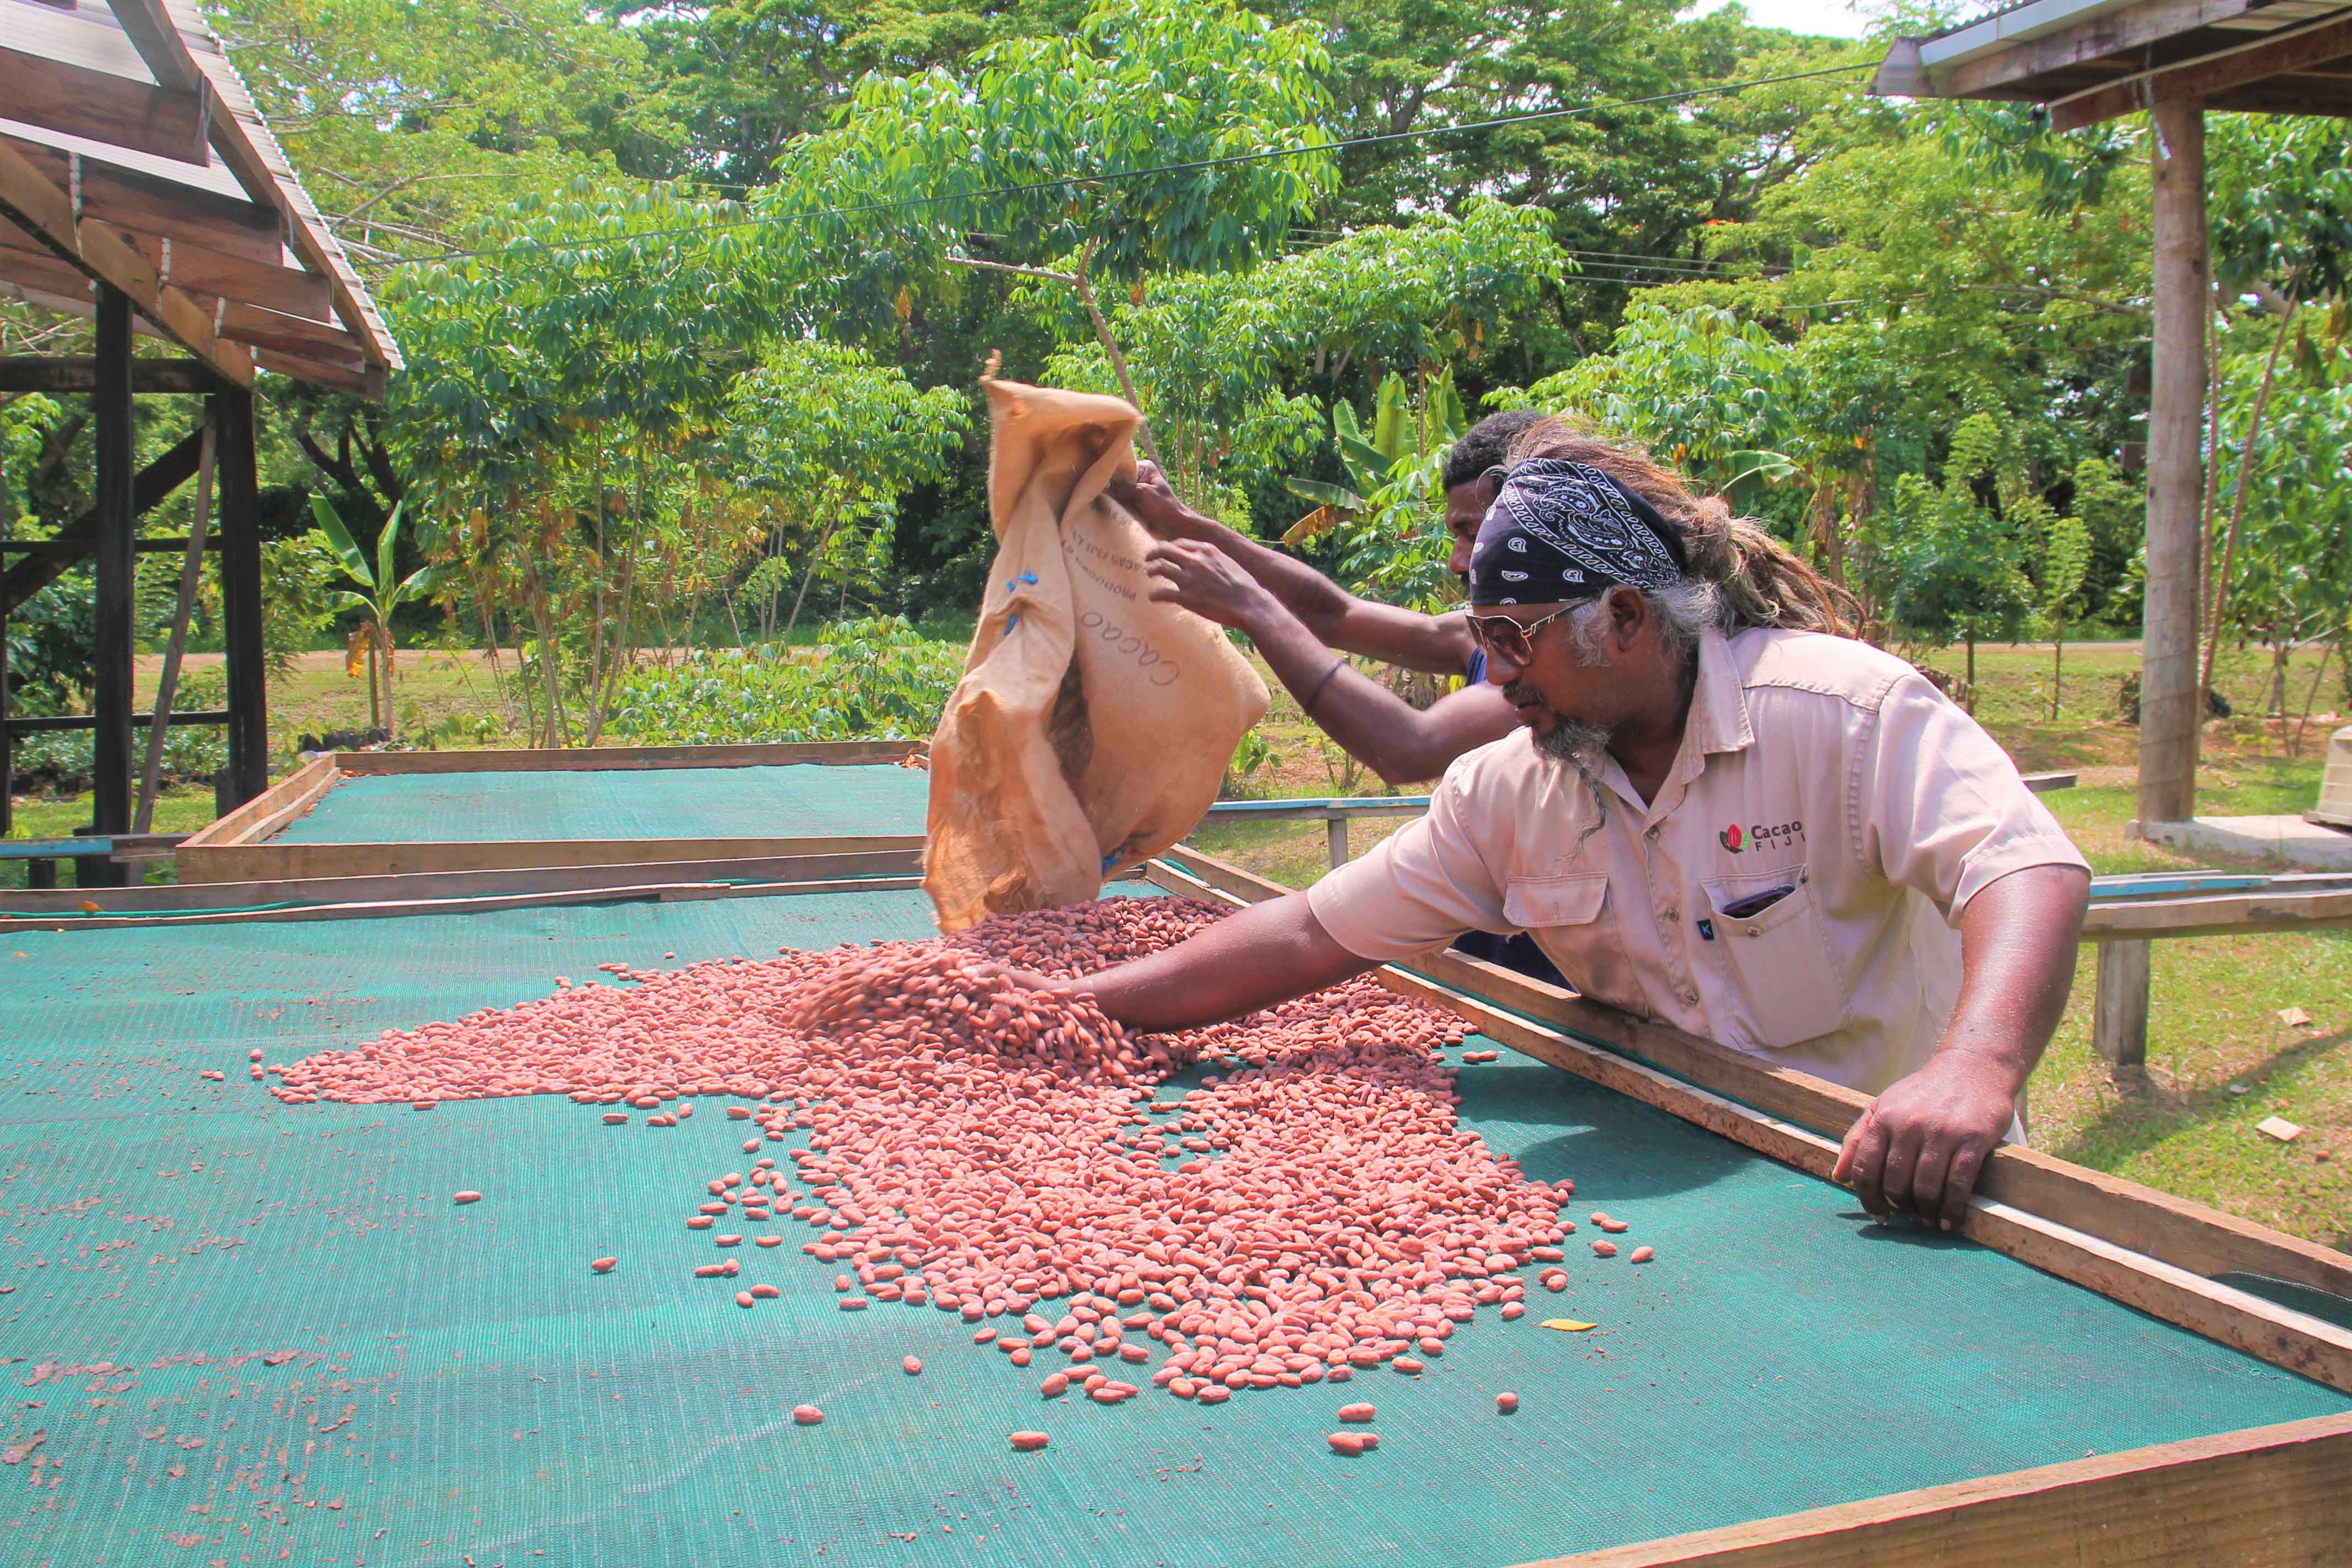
2092, 59
131, 155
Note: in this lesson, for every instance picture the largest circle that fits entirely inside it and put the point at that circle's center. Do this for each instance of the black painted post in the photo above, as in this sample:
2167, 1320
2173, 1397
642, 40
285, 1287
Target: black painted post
238, 486
113, 423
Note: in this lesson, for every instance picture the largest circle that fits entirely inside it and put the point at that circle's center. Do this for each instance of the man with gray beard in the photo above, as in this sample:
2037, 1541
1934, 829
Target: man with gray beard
1722, 812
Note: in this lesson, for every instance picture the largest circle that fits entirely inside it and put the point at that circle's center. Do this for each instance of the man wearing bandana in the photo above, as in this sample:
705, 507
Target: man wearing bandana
1296, 618
1717, 812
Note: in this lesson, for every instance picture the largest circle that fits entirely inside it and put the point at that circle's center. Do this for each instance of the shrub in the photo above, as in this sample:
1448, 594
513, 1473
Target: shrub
873, 679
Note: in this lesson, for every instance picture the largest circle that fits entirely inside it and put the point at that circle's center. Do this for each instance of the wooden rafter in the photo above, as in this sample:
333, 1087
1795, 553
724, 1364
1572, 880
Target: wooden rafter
80, 101
40, 208
111, 112
2211, 76
143, 203
199, 272
252, 155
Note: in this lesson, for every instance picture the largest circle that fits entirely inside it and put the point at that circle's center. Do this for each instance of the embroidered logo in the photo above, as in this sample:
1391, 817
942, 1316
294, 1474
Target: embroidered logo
1738, 839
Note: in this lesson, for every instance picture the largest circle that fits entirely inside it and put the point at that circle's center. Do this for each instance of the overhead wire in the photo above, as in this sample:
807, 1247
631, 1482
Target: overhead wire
1112, 176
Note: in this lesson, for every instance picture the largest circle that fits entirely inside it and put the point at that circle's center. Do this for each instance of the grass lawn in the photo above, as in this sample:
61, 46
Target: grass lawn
2218, 1058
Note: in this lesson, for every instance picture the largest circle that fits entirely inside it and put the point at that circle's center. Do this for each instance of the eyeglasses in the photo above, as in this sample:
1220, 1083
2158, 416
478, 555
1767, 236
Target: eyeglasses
1508, 640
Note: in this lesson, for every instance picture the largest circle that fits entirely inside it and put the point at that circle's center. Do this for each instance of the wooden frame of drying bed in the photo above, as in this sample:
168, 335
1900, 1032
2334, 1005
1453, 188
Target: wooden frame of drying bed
2269, 1495
2272, 1495
238, 847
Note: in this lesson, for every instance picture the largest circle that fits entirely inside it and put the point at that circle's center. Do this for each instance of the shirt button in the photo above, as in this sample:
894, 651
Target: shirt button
1674, 914
1690, 998
1652, 832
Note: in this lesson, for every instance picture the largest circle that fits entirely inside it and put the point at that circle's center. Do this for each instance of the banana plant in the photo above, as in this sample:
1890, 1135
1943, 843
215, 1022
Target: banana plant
1400, 433
371, 644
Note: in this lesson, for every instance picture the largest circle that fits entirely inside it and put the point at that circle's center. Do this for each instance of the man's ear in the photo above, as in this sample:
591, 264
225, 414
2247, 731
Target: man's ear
1627, 614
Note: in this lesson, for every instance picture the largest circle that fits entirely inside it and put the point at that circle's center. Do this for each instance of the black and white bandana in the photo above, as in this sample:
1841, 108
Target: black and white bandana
1560, 531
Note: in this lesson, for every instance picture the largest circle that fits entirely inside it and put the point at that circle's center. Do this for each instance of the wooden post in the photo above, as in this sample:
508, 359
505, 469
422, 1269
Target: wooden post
230, 413
1335, 829
2119, 1003
2170, 705
113, 413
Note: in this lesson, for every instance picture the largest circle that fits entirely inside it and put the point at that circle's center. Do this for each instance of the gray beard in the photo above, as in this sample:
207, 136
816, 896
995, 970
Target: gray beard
1581, 746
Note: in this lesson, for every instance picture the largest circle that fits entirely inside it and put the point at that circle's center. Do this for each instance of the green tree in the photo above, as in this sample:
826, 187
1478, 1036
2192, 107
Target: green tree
378, 598
1958, 556
1153, 138
1235, 368
560, 388
2065, 561
828, 441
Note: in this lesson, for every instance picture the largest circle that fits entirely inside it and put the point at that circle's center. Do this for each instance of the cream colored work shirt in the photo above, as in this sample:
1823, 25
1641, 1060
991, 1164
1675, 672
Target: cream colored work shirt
1810, 762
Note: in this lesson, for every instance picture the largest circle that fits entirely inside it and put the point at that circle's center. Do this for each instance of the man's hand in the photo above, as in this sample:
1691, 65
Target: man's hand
1921, 1145
1016, 979
1204, 580
1153, 501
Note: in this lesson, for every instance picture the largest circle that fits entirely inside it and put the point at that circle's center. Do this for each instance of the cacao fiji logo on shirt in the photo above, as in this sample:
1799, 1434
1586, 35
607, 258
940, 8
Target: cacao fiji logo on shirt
1738, 839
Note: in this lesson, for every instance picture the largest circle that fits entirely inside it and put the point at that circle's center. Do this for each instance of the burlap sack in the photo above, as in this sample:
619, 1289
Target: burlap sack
1091, 727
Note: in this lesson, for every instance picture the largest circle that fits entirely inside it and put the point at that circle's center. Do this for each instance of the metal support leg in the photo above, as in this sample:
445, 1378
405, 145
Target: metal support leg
2119, 1005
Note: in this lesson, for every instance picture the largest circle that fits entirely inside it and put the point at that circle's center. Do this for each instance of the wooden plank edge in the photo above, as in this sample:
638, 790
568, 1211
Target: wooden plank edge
286, 862
23, 906
2267, 1494
2219, 914
240, 827
776, 753
663, 892
2175, 1230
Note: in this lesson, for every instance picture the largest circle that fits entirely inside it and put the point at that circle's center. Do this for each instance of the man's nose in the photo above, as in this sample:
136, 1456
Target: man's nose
1500, 670
1459, 562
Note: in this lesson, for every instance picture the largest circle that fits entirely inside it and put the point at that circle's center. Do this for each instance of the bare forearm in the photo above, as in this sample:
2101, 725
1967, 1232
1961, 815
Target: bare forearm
1264, 954
1402, 744
1320, 605
2018, 943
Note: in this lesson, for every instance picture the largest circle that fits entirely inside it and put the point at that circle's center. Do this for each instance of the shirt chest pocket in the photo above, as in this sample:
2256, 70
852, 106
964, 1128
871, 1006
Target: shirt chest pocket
1568, 916
1788, 985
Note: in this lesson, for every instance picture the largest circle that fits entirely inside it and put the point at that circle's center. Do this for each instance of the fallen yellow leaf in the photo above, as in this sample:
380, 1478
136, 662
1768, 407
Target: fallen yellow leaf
90, 906
1567, 1325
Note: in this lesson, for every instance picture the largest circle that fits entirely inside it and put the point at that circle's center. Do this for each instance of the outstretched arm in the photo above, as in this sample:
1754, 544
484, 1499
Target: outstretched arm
1267, 953
1921, 1144
1439, 643
1400, 742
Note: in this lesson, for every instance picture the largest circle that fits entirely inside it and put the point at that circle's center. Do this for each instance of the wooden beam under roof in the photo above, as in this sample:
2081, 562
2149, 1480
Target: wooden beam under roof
156, 36
2100, 32
2213, 75
287, 290
321, 340
67, 374
40, 206
364, 382
146, 203
82, 101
